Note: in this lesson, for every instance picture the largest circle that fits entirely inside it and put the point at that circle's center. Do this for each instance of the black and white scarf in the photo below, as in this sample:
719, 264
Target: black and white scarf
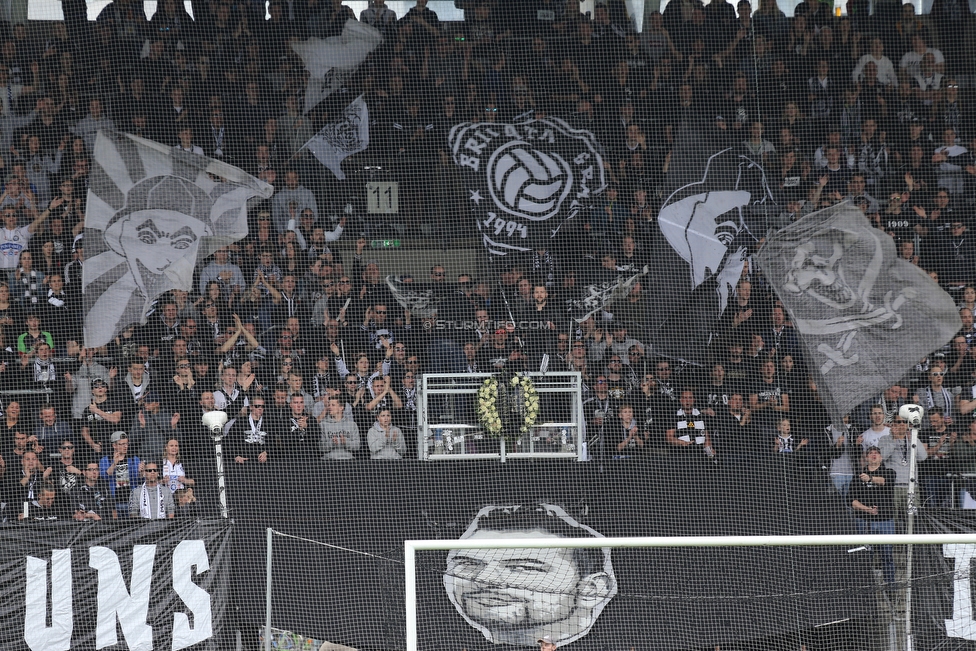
291, 302
690, 425
32, 283
137, 391
298, 432
44, 371
321, 383
410, 399
145, 508
255, 434
56, 300
784, 444
930, 401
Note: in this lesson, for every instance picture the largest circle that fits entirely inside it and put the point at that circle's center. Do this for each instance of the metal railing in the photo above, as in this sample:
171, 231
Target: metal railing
447, 428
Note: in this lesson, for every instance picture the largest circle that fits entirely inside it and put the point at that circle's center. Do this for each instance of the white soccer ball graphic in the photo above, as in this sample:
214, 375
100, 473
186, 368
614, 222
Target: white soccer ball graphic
528, 182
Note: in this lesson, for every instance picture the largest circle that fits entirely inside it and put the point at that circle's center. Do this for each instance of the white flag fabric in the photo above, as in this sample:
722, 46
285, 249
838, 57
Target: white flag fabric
863, 315
330, 61
340, 139
153, 211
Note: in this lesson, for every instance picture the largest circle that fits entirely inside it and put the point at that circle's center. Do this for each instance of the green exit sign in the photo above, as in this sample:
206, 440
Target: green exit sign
385, 244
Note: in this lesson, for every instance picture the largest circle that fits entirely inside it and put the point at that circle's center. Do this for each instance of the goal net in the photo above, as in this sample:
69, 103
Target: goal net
514, 586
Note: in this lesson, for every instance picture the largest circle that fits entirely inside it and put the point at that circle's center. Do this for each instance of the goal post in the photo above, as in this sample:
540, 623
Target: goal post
856, 542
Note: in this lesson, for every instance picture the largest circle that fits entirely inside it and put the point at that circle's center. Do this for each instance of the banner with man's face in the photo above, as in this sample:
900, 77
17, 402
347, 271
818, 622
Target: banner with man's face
517, 596
600, 598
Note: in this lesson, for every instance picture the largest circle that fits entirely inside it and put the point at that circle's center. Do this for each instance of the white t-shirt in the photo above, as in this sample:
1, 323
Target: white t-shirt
872, 438
911, 61
11, 244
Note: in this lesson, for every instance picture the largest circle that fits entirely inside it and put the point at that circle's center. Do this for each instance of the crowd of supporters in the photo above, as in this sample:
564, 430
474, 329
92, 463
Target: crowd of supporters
294, 332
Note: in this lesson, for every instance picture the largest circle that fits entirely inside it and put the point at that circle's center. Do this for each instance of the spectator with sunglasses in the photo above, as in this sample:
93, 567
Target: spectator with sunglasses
354, 398
65, 473
936, 396
153, 500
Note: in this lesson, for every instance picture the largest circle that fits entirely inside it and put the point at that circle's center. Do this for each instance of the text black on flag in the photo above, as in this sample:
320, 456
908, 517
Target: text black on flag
525, 180
153, 211
863, 315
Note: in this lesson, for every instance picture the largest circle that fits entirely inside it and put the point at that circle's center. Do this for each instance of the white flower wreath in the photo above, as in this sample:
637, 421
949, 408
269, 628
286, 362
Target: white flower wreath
488, 414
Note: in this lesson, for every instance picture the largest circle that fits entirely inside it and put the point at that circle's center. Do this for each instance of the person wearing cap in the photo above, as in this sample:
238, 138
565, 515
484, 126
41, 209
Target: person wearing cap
872, 498
122, 473
100, 418
955, 254
546, 643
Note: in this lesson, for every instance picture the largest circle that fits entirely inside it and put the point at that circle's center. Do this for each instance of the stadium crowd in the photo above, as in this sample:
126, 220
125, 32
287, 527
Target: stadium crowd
294, 332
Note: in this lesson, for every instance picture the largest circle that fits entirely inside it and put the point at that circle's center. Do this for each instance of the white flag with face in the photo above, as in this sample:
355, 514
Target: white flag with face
330, 61
340, 139
153, 211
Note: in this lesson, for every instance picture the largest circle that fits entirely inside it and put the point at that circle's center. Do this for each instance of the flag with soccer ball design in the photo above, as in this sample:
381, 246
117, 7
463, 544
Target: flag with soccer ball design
526, 180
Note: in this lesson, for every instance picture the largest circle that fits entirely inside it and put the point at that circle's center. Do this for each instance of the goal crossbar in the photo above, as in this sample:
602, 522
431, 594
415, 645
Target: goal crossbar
410, 547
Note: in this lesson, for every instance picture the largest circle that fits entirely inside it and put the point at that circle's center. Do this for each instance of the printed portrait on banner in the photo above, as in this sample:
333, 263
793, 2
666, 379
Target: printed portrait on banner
516, 596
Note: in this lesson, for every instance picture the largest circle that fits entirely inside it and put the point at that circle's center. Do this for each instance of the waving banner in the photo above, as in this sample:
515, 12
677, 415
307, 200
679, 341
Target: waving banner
153, 212
330, 61
419, 300
526, 180
596, 296
712, 220
340, 139
863, 315
162, 585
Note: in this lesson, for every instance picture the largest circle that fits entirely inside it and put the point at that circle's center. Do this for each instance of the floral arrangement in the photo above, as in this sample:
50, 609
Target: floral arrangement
509, 407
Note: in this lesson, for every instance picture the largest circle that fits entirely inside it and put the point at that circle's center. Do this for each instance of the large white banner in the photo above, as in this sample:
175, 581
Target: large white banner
153, 212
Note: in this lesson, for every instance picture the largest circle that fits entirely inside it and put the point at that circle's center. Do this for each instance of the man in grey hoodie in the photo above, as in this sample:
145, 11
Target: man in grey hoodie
340, 434
385, 439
